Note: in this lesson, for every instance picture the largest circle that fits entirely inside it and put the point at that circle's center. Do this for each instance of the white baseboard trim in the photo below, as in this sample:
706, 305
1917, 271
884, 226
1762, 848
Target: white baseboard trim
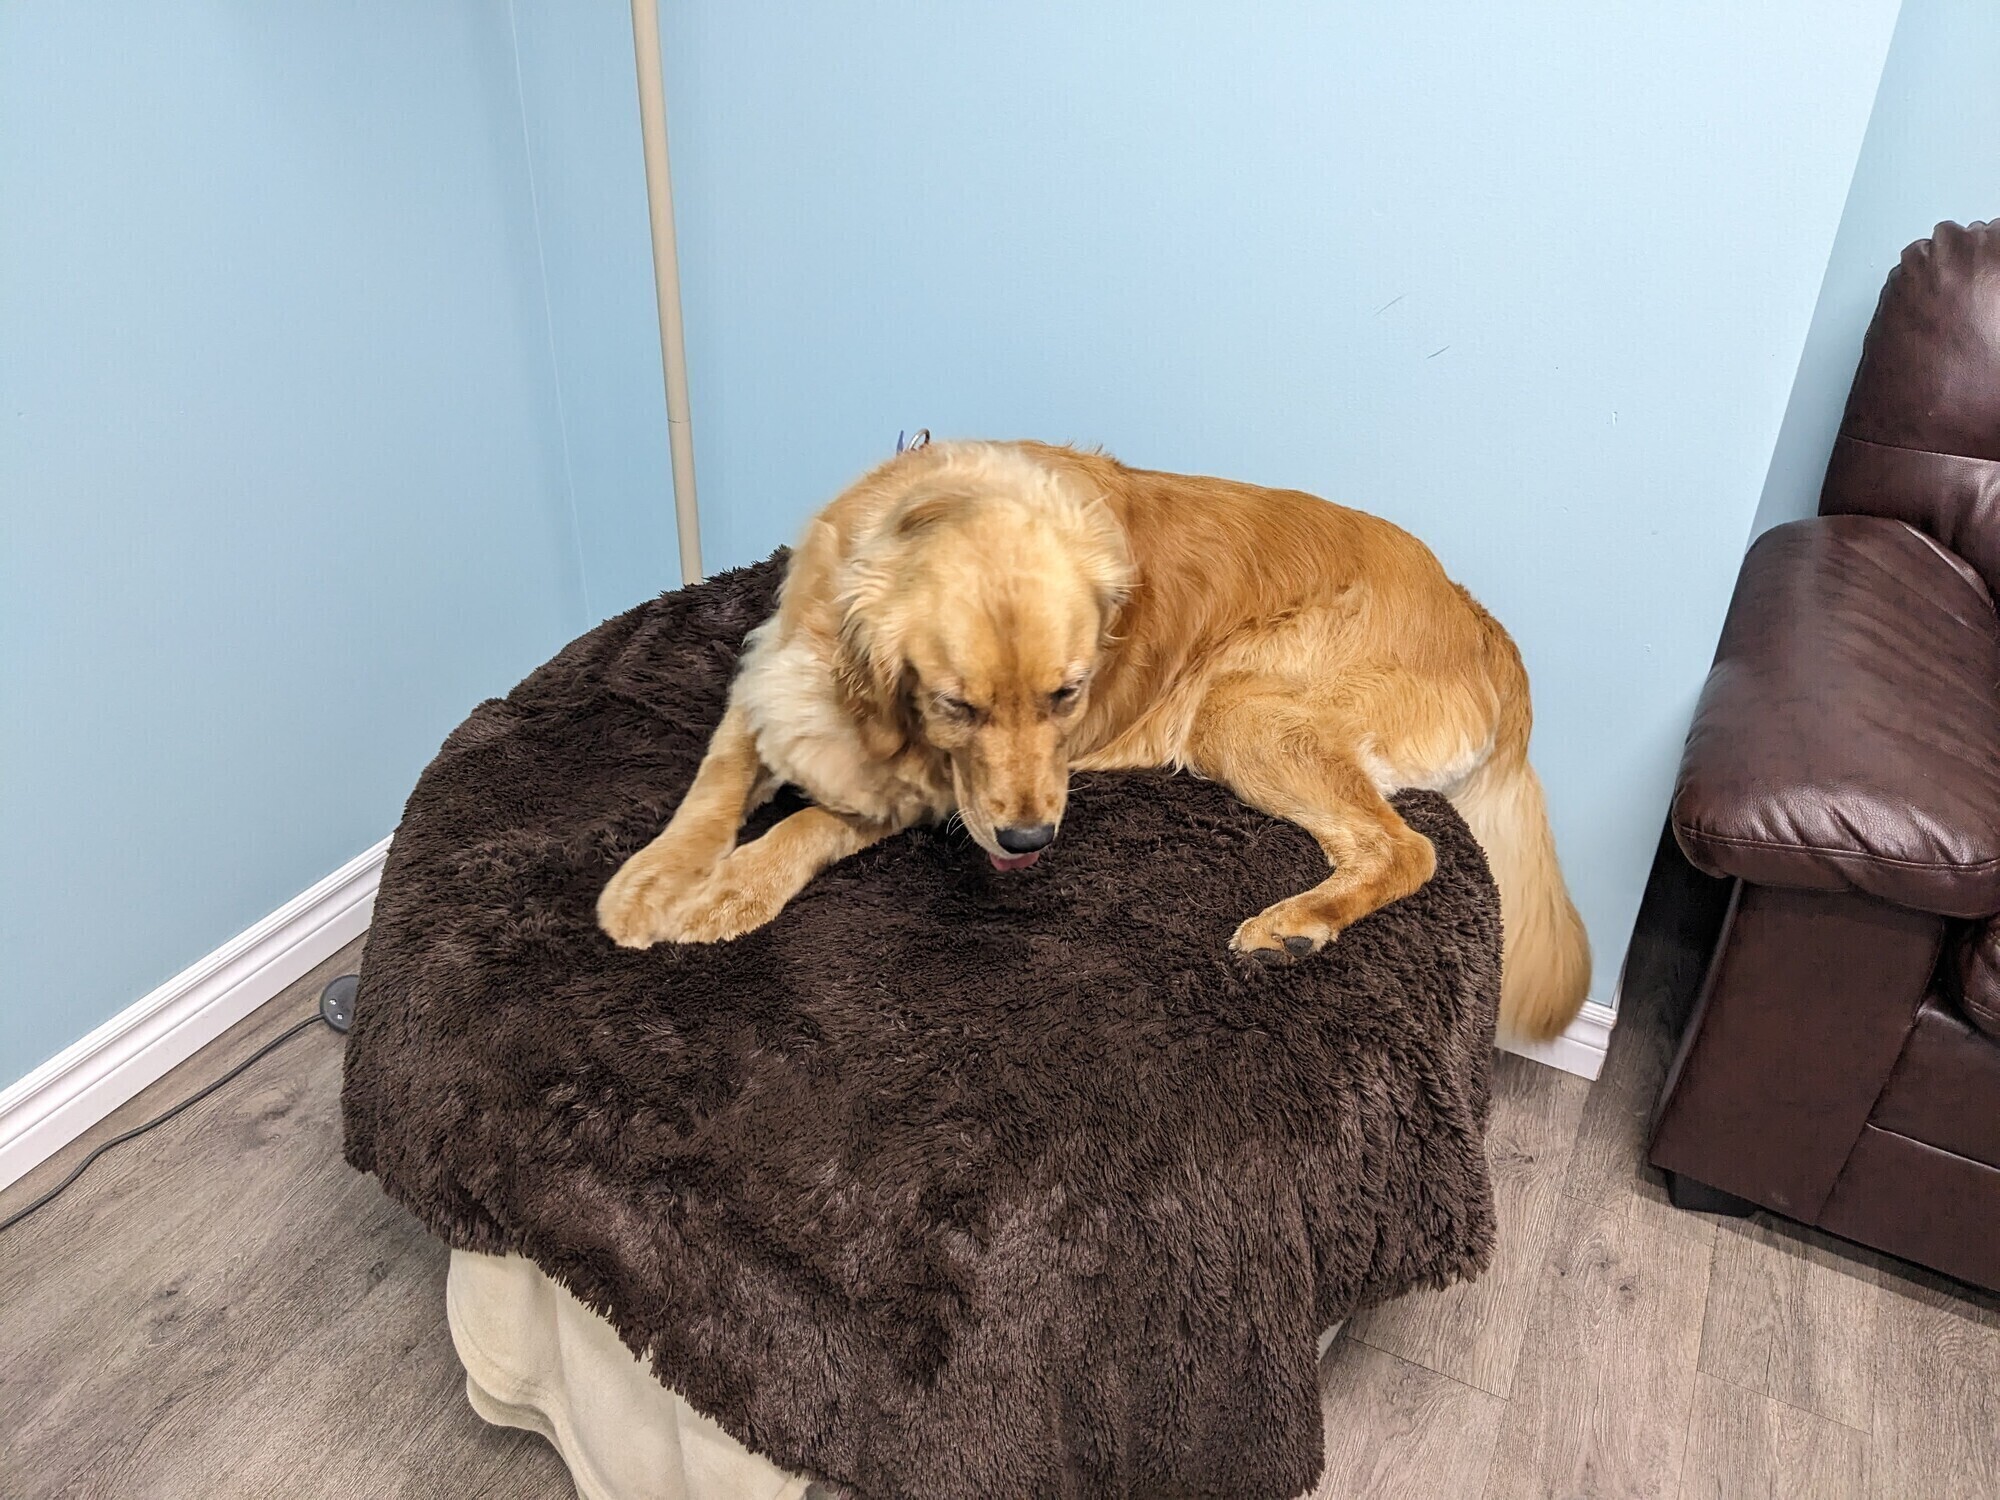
1580, 1049
82, 1084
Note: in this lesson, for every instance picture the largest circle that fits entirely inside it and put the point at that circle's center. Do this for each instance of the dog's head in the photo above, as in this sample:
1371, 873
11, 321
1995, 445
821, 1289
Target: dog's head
976, 612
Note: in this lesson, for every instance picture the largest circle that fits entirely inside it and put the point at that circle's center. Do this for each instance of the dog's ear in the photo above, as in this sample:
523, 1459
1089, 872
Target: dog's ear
869, 661
1099, 544
856, 666
868, 670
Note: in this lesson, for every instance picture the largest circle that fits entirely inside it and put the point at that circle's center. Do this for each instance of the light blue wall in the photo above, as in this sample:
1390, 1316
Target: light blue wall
1932, 152
1530, 280
280, 461
581, 105
308, 438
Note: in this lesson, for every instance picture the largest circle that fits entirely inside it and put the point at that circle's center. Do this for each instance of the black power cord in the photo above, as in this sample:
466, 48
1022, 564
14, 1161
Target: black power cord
336, 1006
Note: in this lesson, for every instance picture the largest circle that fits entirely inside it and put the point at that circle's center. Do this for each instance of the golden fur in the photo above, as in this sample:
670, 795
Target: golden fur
972, 621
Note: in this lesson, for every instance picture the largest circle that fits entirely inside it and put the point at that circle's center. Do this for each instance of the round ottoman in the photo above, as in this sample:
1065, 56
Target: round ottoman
948, 1184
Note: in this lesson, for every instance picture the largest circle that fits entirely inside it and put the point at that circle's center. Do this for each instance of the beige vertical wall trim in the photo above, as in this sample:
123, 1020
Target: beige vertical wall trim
667, 279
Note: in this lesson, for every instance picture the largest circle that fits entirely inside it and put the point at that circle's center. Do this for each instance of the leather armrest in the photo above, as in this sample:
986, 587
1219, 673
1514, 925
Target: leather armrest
1848, 737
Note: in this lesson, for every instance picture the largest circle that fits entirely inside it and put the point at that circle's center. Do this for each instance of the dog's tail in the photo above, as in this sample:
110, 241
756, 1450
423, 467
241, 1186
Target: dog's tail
1545, 968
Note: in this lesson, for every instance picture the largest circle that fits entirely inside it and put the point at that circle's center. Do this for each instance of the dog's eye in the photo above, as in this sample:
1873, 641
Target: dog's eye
1065, 695
956, 708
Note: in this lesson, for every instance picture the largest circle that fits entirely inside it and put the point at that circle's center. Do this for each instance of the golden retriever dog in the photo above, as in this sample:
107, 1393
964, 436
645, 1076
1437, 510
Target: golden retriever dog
972, 621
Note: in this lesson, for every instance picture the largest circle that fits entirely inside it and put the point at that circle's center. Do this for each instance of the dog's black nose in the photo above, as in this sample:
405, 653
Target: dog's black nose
1025, 840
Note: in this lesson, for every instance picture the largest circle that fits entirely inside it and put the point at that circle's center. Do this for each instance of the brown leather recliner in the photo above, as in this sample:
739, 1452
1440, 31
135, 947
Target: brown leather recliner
1842, 1062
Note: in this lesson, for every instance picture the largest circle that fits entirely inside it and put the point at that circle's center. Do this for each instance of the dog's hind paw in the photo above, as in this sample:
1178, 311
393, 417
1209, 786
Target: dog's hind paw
1283, 934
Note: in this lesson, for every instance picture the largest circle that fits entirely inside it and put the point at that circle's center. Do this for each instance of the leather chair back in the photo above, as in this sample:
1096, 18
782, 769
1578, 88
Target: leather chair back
1921, 438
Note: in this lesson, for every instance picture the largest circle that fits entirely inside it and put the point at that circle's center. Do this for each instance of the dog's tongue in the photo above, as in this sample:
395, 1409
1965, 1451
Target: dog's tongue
1014, 861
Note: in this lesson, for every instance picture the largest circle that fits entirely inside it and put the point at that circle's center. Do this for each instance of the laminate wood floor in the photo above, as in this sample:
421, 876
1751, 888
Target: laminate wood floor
223, 1309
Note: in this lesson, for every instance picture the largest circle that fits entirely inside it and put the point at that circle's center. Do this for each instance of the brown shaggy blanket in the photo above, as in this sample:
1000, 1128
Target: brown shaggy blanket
949, 1184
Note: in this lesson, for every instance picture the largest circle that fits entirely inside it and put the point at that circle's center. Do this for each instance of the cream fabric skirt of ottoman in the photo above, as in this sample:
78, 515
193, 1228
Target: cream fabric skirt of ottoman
536, 1358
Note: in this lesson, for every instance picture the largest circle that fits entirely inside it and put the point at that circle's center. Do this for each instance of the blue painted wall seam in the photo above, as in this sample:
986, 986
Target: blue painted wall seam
549, 317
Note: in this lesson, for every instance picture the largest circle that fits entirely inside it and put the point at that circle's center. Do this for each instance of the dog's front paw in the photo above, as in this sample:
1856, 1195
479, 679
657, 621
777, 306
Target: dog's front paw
636, 908
1283, 933
726, 907
629, 914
